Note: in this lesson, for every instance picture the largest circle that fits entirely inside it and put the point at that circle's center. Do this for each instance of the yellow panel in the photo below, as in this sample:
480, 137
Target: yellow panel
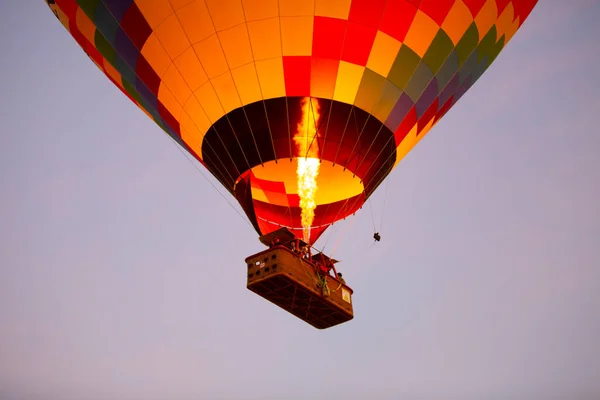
85, 25
196, 21
333, 8
421, 33
236, 45
260, 9
384, 52
246, 82
270, 76
348, 80
211, 56
112, 72
226, 13
227, 92
154, 11
191, 69
297, 35
172, 37
265, 38
458, 20
294, 8
258, 194
411, 141
195, 111
177, 4
210, 102
505, 25
169, 101
156, 55
486, 18
176, 84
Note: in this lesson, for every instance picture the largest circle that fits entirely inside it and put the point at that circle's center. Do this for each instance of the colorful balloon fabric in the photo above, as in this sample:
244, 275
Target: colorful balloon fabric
300, 108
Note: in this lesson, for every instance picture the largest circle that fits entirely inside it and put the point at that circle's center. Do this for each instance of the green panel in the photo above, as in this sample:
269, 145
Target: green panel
124, 69
104, 47
389, 97
448, 70
129, 88
106, 23
88, 7
405, 64
438, 51
418, 82
486, 46
489, 46
369, 90
467, 44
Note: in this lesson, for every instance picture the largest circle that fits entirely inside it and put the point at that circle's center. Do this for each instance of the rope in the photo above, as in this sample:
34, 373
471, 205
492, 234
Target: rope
208, 180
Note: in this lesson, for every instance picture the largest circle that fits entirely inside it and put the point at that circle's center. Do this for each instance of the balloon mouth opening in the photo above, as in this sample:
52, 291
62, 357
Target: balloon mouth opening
276, 202
276, 183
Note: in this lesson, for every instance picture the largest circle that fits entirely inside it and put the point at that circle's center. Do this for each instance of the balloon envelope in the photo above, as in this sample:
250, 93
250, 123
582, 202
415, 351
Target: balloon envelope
253, 88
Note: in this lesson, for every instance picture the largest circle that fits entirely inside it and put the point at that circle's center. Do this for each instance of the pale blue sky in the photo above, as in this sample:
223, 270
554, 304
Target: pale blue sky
116, 281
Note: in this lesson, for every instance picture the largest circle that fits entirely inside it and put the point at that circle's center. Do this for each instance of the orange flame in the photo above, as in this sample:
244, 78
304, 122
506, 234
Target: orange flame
307, 172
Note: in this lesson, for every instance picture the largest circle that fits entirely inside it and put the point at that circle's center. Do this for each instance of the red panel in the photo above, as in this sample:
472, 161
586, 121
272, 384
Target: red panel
358, 43
146, 73
135, 26
168, 118
501, 5
323, 75
296, 71
474, 6
397, 18
270, 186
77, 35
427, 116
69, 7
94, 54
437, 9
328, 37
444, 109
523, 8
367, 12
407, 124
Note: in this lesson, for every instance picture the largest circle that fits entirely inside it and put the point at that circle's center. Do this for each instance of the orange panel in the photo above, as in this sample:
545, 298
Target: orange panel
226, 13
196, 21
271, 78
211, 56
384, 52
265, 38
236, 46
292, 8
154, 11
191, 69
156, 55
172, 37
458, 20
246, 81
486, 17
260, 9
297, 35
421, 33
333, 8
85, 26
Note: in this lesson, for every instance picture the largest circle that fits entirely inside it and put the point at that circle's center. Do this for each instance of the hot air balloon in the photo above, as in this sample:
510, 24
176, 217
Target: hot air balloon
299, 108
